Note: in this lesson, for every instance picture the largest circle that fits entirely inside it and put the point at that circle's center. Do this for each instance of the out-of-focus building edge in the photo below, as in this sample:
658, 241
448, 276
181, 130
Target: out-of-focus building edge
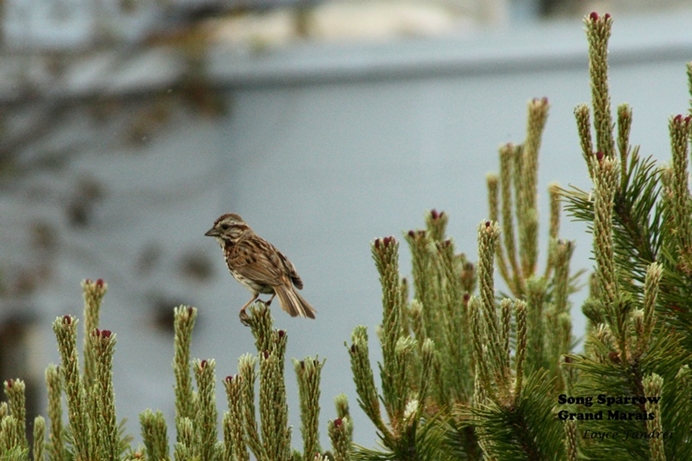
526, 48
541, 46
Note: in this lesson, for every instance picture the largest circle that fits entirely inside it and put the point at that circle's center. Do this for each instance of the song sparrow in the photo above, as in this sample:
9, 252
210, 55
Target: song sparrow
259, 266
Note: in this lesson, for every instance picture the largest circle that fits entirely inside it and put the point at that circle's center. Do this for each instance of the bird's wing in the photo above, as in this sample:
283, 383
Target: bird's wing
259, 261
291, 270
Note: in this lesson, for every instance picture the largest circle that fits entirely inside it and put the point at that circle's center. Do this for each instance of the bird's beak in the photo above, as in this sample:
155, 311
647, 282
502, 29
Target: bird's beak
213, 232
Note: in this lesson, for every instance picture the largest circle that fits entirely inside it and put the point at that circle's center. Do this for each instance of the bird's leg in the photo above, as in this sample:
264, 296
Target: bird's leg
269, 301
243, 315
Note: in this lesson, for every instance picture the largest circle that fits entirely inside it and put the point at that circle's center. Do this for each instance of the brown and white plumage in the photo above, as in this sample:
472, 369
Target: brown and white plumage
259, 266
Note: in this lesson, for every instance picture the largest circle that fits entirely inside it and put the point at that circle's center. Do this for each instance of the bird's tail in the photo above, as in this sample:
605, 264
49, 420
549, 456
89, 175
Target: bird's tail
293, 303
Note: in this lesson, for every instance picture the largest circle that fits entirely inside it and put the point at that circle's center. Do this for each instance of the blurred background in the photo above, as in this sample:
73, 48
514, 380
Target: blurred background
127, 127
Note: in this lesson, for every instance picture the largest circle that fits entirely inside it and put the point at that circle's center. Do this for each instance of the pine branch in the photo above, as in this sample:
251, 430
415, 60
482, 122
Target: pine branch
598, 29
185, 400
206, 415
39, 436
154, 435
15, 431
56, 448
65, 329
233, 425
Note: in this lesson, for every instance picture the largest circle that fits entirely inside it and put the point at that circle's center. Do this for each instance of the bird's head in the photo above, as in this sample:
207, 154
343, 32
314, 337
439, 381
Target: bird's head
228, 228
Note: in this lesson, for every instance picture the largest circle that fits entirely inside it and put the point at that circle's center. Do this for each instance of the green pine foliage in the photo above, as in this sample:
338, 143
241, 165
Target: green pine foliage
638, 342
508, 385
470, 370
92, 431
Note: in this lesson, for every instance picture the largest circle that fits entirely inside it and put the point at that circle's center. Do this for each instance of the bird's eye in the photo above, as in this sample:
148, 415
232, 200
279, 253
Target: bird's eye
225, 226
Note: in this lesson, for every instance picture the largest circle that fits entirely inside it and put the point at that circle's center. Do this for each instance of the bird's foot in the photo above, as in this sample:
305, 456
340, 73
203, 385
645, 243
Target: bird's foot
244, 318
